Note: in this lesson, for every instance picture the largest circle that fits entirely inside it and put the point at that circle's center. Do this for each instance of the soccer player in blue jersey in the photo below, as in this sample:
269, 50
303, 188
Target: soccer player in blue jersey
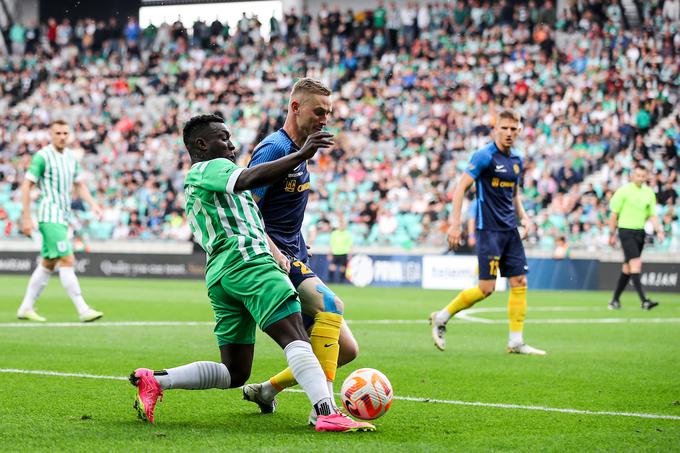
496, 170
283, 207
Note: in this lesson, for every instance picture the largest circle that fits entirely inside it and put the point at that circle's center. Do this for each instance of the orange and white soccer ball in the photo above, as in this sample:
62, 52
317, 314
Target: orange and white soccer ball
366, 394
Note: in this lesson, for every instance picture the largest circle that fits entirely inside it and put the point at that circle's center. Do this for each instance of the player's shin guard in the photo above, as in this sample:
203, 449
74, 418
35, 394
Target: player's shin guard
37, 283
70, 283
517, 310
324, 338
309, 374
464, 299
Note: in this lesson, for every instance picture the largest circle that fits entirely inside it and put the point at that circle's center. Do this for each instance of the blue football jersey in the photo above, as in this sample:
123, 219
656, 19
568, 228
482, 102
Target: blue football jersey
283, 203
497, 176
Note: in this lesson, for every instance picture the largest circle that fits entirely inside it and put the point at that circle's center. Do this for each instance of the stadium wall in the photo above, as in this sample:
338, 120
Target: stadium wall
449, 272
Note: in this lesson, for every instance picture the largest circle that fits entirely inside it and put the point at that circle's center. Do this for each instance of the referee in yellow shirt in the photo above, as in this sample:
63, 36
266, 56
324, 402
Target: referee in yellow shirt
631, 206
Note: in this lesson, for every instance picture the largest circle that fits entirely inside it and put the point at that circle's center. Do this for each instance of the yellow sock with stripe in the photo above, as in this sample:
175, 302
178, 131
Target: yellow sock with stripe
465, 299
324, 338
517, 311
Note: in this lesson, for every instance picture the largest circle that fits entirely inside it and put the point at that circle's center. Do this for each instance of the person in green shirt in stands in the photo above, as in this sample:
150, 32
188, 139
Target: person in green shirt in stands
341, 244
631, 206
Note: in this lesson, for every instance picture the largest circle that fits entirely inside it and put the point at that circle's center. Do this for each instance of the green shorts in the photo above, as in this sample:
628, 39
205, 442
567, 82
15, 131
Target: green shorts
255, 292
55, 243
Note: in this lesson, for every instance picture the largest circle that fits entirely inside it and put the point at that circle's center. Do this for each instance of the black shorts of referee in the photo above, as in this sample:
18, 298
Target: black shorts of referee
632, 242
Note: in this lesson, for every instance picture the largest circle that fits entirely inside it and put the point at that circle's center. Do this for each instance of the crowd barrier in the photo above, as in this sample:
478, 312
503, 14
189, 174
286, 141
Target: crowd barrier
428, 271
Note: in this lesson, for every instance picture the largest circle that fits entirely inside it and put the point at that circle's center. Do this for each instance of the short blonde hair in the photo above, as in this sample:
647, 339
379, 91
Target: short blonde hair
308, 85
509, 114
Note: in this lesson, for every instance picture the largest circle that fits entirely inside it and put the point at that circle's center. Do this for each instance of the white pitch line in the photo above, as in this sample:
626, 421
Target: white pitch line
399, 398
470, 319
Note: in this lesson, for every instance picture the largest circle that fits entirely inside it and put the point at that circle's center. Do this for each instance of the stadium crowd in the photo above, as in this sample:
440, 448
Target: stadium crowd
416, 89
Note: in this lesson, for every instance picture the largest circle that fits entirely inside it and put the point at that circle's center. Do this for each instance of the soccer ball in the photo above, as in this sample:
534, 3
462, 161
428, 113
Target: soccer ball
366, 394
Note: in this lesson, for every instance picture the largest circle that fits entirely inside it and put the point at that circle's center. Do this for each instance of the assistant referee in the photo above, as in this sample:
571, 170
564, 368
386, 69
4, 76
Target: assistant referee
631, 206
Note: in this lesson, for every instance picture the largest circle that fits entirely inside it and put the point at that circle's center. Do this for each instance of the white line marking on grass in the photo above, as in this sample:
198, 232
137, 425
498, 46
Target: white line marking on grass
57, 373
108, 324
399, 398
369, 322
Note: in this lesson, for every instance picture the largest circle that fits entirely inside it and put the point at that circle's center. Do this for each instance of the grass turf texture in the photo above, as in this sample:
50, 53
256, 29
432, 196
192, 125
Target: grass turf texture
621, 367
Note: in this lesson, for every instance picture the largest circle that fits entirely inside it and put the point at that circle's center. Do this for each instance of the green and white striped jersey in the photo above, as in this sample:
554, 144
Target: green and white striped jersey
228, 225
54, 172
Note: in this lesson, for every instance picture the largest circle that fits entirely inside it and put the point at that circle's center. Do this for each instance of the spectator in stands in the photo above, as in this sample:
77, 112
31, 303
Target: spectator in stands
408, 115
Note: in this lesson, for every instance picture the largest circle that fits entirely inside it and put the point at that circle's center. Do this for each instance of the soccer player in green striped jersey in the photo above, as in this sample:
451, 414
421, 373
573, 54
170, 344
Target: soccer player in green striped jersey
55, 170
247, 287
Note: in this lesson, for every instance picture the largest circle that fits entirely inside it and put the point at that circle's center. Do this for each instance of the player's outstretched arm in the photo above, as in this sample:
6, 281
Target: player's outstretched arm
458, 194
267, 173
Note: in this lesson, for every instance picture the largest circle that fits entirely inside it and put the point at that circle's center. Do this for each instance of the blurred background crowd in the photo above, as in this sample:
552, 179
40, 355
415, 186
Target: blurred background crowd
415, 92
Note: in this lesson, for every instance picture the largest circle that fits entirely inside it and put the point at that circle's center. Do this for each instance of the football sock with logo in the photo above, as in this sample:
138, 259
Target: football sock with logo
307, 371
195, 376
36, 284
517, 310
70, 282
464, 299
638, 286
324, 339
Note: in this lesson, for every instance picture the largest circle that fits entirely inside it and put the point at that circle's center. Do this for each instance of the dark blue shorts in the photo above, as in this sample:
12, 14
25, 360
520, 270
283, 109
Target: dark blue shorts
500, 251
300, 271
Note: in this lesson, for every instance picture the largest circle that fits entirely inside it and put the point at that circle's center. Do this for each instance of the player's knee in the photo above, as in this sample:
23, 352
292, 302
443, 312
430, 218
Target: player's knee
349, 350
519, 281
331, 302
49, 264
67, 261
487, 288
339, 305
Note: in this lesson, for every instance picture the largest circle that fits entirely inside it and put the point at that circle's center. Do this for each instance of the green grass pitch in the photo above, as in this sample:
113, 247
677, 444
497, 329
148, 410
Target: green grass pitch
601, 364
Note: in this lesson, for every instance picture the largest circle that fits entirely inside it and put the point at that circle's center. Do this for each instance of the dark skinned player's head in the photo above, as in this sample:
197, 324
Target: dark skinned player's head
206, 137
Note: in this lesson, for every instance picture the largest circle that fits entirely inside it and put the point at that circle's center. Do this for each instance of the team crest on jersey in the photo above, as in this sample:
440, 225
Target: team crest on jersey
290, 185
516, 168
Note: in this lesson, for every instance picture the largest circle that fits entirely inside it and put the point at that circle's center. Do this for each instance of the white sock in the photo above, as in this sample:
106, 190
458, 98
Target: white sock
330, 392
268, 391
442, 316
195, 376
308, 373
36, 284
516, 338
70, 283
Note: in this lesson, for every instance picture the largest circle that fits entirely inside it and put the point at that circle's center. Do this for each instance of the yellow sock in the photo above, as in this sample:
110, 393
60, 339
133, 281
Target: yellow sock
324, 338
283, 380
517, 308
465, 299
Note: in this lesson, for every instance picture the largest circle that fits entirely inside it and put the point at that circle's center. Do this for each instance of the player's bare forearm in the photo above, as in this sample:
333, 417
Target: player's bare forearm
519, 208
657, 227
84, 193
270, 172
26, 188
458, 195
613, 220
280, 258
26, 222
267, 173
